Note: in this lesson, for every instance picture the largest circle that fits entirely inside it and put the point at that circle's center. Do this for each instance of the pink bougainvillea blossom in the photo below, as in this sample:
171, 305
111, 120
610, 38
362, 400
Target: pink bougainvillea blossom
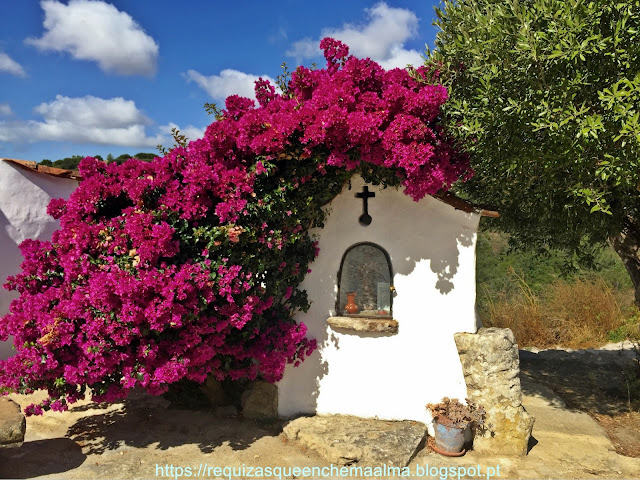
189, 266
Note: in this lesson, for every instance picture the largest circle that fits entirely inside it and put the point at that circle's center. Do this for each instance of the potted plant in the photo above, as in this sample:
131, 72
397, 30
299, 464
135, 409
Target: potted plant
453, 422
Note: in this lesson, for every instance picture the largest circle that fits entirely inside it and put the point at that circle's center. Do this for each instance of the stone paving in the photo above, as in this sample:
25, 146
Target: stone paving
143, 438
565, 444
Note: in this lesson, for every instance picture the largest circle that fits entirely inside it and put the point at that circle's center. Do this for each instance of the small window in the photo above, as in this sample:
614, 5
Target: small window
364, 282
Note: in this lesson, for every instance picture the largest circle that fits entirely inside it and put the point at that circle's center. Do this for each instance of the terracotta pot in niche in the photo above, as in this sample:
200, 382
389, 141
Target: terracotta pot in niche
351, 306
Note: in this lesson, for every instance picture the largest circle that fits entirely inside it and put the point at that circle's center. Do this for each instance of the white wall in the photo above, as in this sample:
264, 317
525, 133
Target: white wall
24, 196
432, 251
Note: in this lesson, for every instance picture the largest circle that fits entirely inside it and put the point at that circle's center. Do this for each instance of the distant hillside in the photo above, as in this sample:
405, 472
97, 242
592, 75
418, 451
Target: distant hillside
71, 163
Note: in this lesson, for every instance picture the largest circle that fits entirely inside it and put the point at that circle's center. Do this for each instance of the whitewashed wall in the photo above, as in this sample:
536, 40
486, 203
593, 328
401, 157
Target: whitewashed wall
432, 251
24, 196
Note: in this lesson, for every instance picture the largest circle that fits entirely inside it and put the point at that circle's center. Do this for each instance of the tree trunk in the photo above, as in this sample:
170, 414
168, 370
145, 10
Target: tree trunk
627, 246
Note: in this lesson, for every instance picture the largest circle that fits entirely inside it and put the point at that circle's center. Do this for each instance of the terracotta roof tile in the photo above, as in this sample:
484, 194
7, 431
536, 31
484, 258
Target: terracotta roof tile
34, 167
461, 204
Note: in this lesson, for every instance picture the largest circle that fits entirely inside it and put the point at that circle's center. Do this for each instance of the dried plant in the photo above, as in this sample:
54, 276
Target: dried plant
452, 413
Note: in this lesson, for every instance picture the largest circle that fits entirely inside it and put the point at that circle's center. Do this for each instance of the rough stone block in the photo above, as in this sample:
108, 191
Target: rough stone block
260, 401
509, 433
212, 388
12, 424
347, 440
491, 369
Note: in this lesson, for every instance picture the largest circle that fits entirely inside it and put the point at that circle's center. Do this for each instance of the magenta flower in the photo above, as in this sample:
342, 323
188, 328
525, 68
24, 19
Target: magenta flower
189, 266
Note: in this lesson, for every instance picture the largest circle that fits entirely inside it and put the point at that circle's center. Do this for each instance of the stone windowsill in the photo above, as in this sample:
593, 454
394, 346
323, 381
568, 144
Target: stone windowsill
365, 324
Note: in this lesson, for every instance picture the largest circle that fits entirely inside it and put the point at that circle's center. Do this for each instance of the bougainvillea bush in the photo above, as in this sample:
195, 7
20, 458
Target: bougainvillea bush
189, 266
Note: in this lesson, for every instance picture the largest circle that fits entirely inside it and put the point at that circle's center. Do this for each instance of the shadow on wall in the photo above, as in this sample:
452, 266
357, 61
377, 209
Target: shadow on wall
444, 259
24, 196
25, 202
53, 186
10, 260
453, 233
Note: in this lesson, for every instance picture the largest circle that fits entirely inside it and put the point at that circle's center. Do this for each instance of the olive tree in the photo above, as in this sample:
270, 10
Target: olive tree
545, 94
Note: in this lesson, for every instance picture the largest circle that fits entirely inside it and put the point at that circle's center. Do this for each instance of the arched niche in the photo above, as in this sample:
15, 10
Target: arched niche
365, 290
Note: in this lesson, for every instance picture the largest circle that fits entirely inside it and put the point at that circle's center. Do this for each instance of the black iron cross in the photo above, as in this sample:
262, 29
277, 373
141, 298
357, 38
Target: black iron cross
365, 195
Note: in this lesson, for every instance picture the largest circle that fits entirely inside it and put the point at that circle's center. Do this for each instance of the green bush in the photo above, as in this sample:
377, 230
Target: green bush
548, 298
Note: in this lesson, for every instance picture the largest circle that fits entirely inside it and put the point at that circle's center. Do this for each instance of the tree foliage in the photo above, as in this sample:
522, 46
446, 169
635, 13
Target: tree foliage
545, 95
67, 163
71, 163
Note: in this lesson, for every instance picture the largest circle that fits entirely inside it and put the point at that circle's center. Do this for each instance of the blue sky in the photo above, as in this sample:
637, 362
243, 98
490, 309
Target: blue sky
87, 77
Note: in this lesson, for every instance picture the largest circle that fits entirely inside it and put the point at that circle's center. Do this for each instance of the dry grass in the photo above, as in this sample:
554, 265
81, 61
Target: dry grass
575, 315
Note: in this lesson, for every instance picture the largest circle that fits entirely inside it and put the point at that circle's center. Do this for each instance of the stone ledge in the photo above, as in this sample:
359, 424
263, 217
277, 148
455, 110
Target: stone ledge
365, 324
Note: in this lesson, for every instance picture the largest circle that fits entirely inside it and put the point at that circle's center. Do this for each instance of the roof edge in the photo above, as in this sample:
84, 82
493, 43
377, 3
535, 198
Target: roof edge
35, 167
445, 197
461, 204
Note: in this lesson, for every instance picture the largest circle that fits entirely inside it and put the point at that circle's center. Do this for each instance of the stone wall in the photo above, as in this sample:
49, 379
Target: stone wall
491, 369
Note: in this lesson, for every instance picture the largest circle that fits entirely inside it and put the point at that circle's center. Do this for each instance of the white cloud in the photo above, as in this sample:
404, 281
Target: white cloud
382, 38
190, 131
229, 82
5, 109
97, 31
9, 65
85, 120
92, 111
305, 48
400, 58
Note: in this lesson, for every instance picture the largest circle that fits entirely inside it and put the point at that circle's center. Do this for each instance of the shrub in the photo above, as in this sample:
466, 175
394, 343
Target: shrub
452, 413
190, 265
576, 314
582, 312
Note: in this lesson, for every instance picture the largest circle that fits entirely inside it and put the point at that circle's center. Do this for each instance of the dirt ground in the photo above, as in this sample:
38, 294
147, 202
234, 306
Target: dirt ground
591, 381
142, 437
